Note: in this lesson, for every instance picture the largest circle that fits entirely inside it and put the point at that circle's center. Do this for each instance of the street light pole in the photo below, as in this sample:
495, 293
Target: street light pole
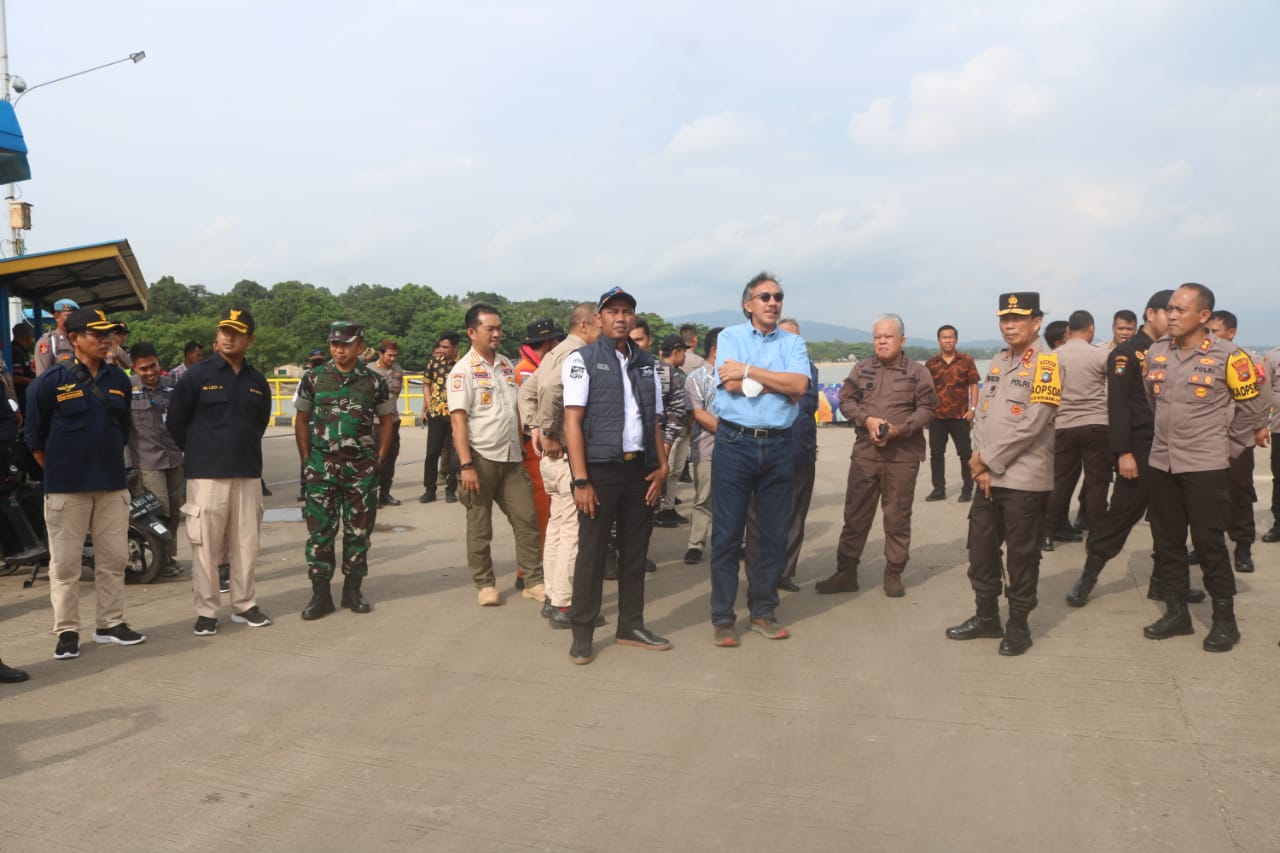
17, 84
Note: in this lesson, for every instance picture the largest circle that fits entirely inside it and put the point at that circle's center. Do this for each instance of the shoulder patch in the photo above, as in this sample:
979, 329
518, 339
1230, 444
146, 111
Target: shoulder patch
1047, 385
1242, 377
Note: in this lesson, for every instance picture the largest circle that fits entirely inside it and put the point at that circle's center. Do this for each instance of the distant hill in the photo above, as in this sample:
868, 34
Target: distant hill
814, 330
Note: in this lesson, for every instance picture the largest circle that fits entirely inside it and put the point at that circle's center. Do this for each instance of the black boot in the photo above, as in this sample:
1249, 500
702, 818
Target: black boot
1017, 636
1244, 557
1273, 535
1223, 634
1175, 622
1155, 592
321, 603
351, 597
984, 623
1079, 595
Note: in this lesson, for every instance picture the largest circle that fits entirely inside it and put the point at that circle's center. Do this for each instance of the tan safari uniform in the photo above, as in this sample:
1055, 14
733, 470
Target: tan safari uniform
487, 394
542, 406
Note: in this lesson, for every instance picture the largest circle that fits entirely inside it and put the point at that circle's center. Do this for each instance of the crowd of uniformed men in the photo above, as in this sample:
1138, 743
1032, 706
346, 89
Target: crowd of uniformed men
576, 444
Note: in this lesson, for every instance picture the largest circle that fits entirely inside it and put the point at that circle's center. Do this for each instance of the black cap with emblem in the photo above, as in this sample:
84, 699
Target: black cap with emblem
1023, 303
237, 320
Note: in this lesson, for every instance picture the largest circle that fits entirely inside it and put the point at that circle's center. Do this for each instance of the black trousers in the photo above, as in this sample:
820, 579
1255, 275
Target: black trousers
958, 430
388, 472
1011, 517
439, 445
1275, 475
1197, 500
1241, 527
620, 489
1075, 447
1129, 501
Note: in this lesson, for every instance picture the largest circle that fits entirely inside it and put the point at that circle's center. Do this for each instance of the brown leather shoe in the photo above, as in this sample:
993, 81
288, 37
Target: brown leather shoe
841, 581
893, 584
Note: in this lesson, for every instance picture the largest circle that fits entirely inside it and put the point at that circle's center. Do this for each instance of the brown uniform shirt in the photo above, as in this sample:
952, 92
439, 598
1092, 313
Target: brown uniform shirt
901, 393
1013, 428
1271, 366
52, 348
1084, 384
1191, 391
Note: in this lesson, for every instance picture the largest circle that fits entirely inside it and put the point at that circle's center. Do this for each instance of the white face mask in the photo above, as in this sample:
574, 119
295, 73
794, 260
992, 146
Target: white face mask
751, 387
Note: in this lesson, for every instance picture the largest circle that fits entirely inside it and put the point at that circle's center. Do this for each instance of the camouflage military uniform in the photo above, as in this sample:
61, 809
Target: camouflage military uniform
341, 474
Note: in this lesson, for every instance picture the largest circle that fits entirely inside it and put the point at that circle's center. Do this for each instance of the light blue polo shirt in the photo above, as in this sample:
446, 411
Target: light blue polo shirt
779, 351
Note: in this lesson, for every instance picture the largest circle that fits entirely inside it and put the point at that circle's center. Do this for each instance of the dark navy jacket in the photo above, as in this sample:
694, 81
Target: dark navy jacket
83, 439
602, 420
217, 417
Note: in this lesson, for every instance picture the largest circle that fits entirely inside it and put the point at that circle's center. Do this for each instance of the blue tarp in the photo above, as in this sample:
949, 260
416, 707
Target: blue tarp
13, 149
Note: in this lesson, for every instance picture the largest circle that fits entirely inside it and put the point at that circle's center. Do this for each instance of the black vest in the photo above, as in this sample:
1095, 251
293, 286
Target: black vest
602, 420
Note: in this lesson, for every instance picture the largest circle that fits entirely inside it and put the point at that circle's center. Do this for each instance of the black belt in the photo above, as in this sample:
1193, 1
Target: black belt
753, 431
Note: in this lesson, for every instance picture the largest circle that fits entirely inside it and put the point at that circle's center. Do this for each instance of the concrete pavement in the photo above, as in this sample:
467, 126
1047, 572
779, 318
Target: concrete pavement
434, 724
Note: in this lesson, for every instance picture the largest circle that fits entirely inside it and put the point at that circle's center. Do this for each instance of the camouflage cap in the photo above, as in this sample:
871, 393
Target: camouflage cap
345, 332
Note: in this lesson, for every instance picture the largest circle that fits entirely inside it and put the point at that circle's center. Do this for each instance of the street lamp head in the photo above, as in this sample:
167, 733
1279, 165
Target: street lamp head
19, 85
138, 57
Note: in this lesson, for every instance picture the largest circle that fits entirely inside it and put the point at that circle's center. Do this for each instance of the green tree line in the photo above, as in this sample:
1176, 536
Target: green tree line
293, 319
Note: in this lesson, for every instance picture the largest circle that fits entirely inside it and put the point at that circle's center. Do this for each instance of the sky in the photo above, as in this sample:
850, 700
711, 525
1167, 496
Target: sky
909, 157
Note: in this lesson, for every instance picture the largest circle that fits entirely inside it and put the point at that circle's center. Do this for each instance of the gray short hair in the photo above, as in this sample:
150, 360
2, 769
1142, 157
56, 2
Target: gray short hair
760, 278
790, 321
890, 318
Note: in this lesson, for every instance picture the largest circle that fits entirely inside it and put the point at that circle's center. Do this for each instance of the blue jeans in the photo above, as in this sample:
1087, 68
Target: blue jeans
745, 467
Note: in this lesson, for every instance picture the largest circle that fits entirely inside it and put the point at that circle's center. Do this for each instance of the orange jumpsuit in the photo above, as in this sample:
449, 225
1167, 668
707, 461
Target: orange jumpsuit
541, 500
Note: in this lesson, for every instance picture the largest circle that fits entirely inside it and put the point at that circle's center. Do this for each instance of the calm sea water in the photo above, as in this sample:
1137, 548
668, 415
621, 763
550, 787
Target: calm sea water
832, 376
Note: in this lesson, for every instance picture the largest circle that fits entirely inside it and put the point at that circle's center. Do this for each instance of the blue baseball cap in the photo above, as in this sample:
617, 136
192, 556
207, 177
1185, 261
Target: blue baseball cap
66, 305
612, 294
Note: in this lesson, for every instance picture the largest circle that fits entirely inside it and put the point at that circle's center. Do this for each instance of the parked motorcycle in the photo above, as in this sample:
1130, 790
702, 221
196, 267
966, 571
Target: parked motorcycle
24, 538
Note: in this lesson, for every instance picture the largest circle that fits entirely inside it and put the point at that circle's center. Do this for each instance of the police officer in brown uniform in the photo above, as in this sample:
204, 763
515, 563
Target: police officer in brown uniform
890, 401
1191, 379
1012, 464
1081, 437
1271, 367
1242, 530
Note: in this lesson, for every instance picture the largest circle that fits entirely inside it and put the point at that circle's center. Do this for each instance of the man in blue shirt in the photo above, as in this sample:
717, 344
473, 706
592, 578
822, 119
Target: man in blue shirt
77, 427
763, 372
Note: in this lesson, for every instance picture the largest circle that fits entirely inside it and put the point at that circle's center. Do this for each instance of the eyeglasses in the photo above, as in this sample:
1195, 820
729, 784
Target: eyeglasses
770, 296
102, 336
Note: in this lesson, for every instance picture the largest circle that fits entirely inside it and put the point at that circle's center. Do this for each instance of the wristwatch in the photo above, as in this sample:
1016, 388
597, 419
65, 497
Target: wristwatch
580, 484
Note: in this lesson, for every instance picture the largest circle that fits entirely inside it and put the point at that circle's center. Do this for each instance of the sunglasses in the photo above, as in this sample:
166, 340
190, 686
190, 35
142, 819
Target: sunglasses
769, 297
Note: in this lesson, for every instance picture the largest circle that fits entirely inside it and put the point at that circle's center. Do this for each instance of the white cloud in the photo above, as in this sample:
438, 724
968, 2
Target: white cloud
220, 227
987, 98
1198, 226
831, 236
523, 233
1116, 203
714, 134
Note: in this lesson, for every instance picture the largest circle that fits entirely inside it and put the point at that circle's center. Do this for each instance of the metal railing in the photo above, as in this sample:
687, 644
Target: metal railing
283, 388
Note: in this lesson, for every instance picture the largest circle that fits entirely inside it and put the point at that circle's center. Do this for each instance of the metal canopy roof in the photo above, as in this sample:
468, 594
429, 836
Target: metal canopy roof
104, 275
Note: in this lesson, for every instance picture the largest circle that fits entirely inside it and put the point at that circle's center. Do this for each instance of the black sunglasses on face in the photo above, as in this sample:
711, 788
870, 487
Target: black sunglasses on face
770, 296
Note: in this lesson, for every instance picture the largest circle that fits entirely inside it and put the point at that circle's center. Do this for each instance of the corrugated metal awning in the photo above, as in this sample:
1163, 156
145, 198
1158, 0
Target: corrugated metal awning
104, 275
